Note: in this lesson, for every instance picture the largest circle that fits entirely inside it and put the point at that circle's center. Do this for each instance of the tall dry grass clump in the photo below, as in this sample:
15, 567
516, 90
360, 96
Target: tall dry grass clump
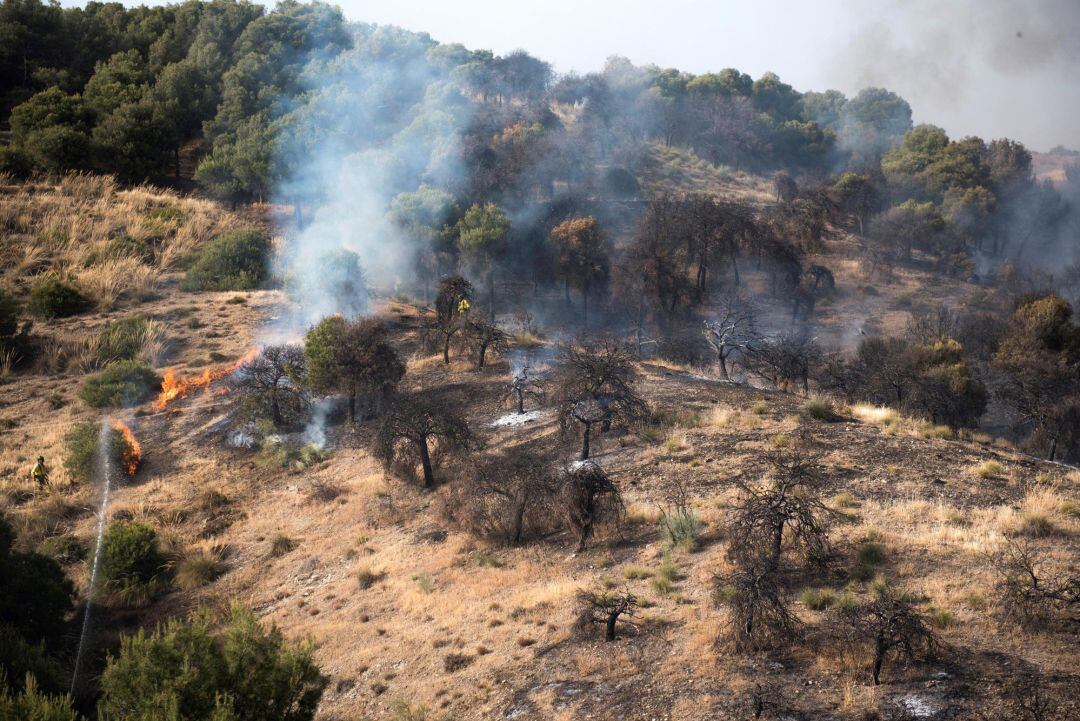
107, 281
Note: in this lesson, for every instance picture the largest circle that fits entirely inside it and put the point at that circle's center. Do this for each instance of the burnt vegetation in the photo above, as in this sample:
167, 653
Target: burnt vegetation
571, 249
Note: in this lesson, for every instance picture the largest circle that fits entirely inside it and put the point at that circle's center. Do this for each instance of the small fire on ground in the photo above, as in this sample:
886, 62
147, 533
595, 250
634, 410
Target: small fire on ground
131, 455
174, 386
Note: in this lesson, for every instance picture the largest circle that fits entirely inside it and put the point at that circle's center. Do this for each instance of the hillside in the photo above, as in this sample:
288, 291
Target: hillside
407, 611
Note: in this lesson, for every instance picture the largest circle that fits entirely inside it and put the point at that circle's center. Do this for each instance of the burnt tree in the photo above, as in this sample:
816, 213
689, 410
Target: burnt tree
522, 386
595, 382
412, 423
589, 499
606, 609
504, 496
484, 336
891, 623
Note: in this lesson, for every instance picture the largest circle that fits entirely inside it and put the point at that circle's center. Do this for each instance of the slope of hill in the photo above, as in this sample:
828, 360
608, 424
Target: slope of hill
412, 618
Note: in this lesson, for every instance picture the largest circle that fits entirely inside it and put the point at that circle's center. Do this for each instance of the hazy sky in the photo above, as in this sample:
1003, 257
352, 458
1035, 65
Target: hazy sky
987, 67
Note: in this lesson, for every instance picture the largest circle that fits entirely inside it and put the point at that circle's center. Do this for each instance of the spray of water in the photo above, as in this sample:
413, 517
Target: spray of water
105, 472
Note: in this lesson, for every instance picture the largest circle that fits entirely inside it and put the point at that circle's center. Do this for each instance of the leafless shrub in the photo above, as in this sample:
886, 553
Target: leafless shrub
1031, 595
786, 359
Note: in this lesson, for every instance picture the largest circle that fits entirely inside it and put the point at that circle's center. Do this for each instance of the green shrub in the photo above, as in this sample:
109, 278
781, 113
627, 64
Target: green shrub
64, 549
871, 553
235, 261
15, 162
818, 599
820, 408
53, 298
121, 384
681, 529
81, 445
123, 339
196, 569
281, 544
13, 336
123, 246
942, 618
130, 554
366, 578
245, 673
868, 556
33, 705
35, 595
21, 661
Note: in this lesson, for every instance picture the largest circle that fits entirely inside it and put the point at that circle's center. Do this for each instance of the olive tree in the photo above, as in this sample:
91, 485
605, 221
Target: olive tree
595, 383
354, 358
412, 423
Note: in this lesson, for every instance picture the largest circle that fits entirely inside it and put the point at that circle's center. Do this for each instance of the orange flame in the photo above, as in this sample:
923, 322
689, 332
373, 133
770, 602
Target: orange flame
131, 455
173, 386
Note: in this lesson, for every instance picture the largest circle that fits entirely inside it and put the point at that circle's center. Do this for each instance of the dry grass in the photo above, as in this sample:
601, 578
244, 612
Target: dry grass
65, 229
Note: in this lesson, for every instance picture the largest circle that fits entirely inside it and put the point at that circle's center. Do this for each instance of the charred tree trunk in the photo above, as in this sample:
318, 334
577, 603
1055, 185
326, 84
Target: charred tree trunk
585, 305
609, 627
777, 546
722, 361
879, 659
519, 521
585, 441
425, 461
520, 401
446, 350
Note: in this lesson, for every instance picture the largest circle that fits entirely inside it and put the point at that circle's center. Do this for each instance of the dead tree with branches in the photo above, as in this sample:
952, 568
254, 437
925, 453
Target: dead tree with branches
785, 509
412, 423
595, 383
506, 496
732, 331
891, 623
272, 384
758, 603
786, 359
1028, 593
524, 386
484, 336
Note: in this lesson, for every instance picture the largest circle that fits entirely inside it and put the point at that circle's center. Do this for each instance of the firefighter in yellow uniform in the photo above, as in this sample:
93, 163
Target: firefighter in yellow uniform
40, 474
463, 306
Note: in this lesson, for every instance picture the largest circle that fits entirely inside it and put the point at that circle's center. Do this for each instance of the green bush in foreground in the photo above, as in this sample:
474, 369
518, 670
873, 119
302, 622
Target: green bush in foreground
31, 704
235, 261
130, 554
184, 671
121, 384
53, 298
